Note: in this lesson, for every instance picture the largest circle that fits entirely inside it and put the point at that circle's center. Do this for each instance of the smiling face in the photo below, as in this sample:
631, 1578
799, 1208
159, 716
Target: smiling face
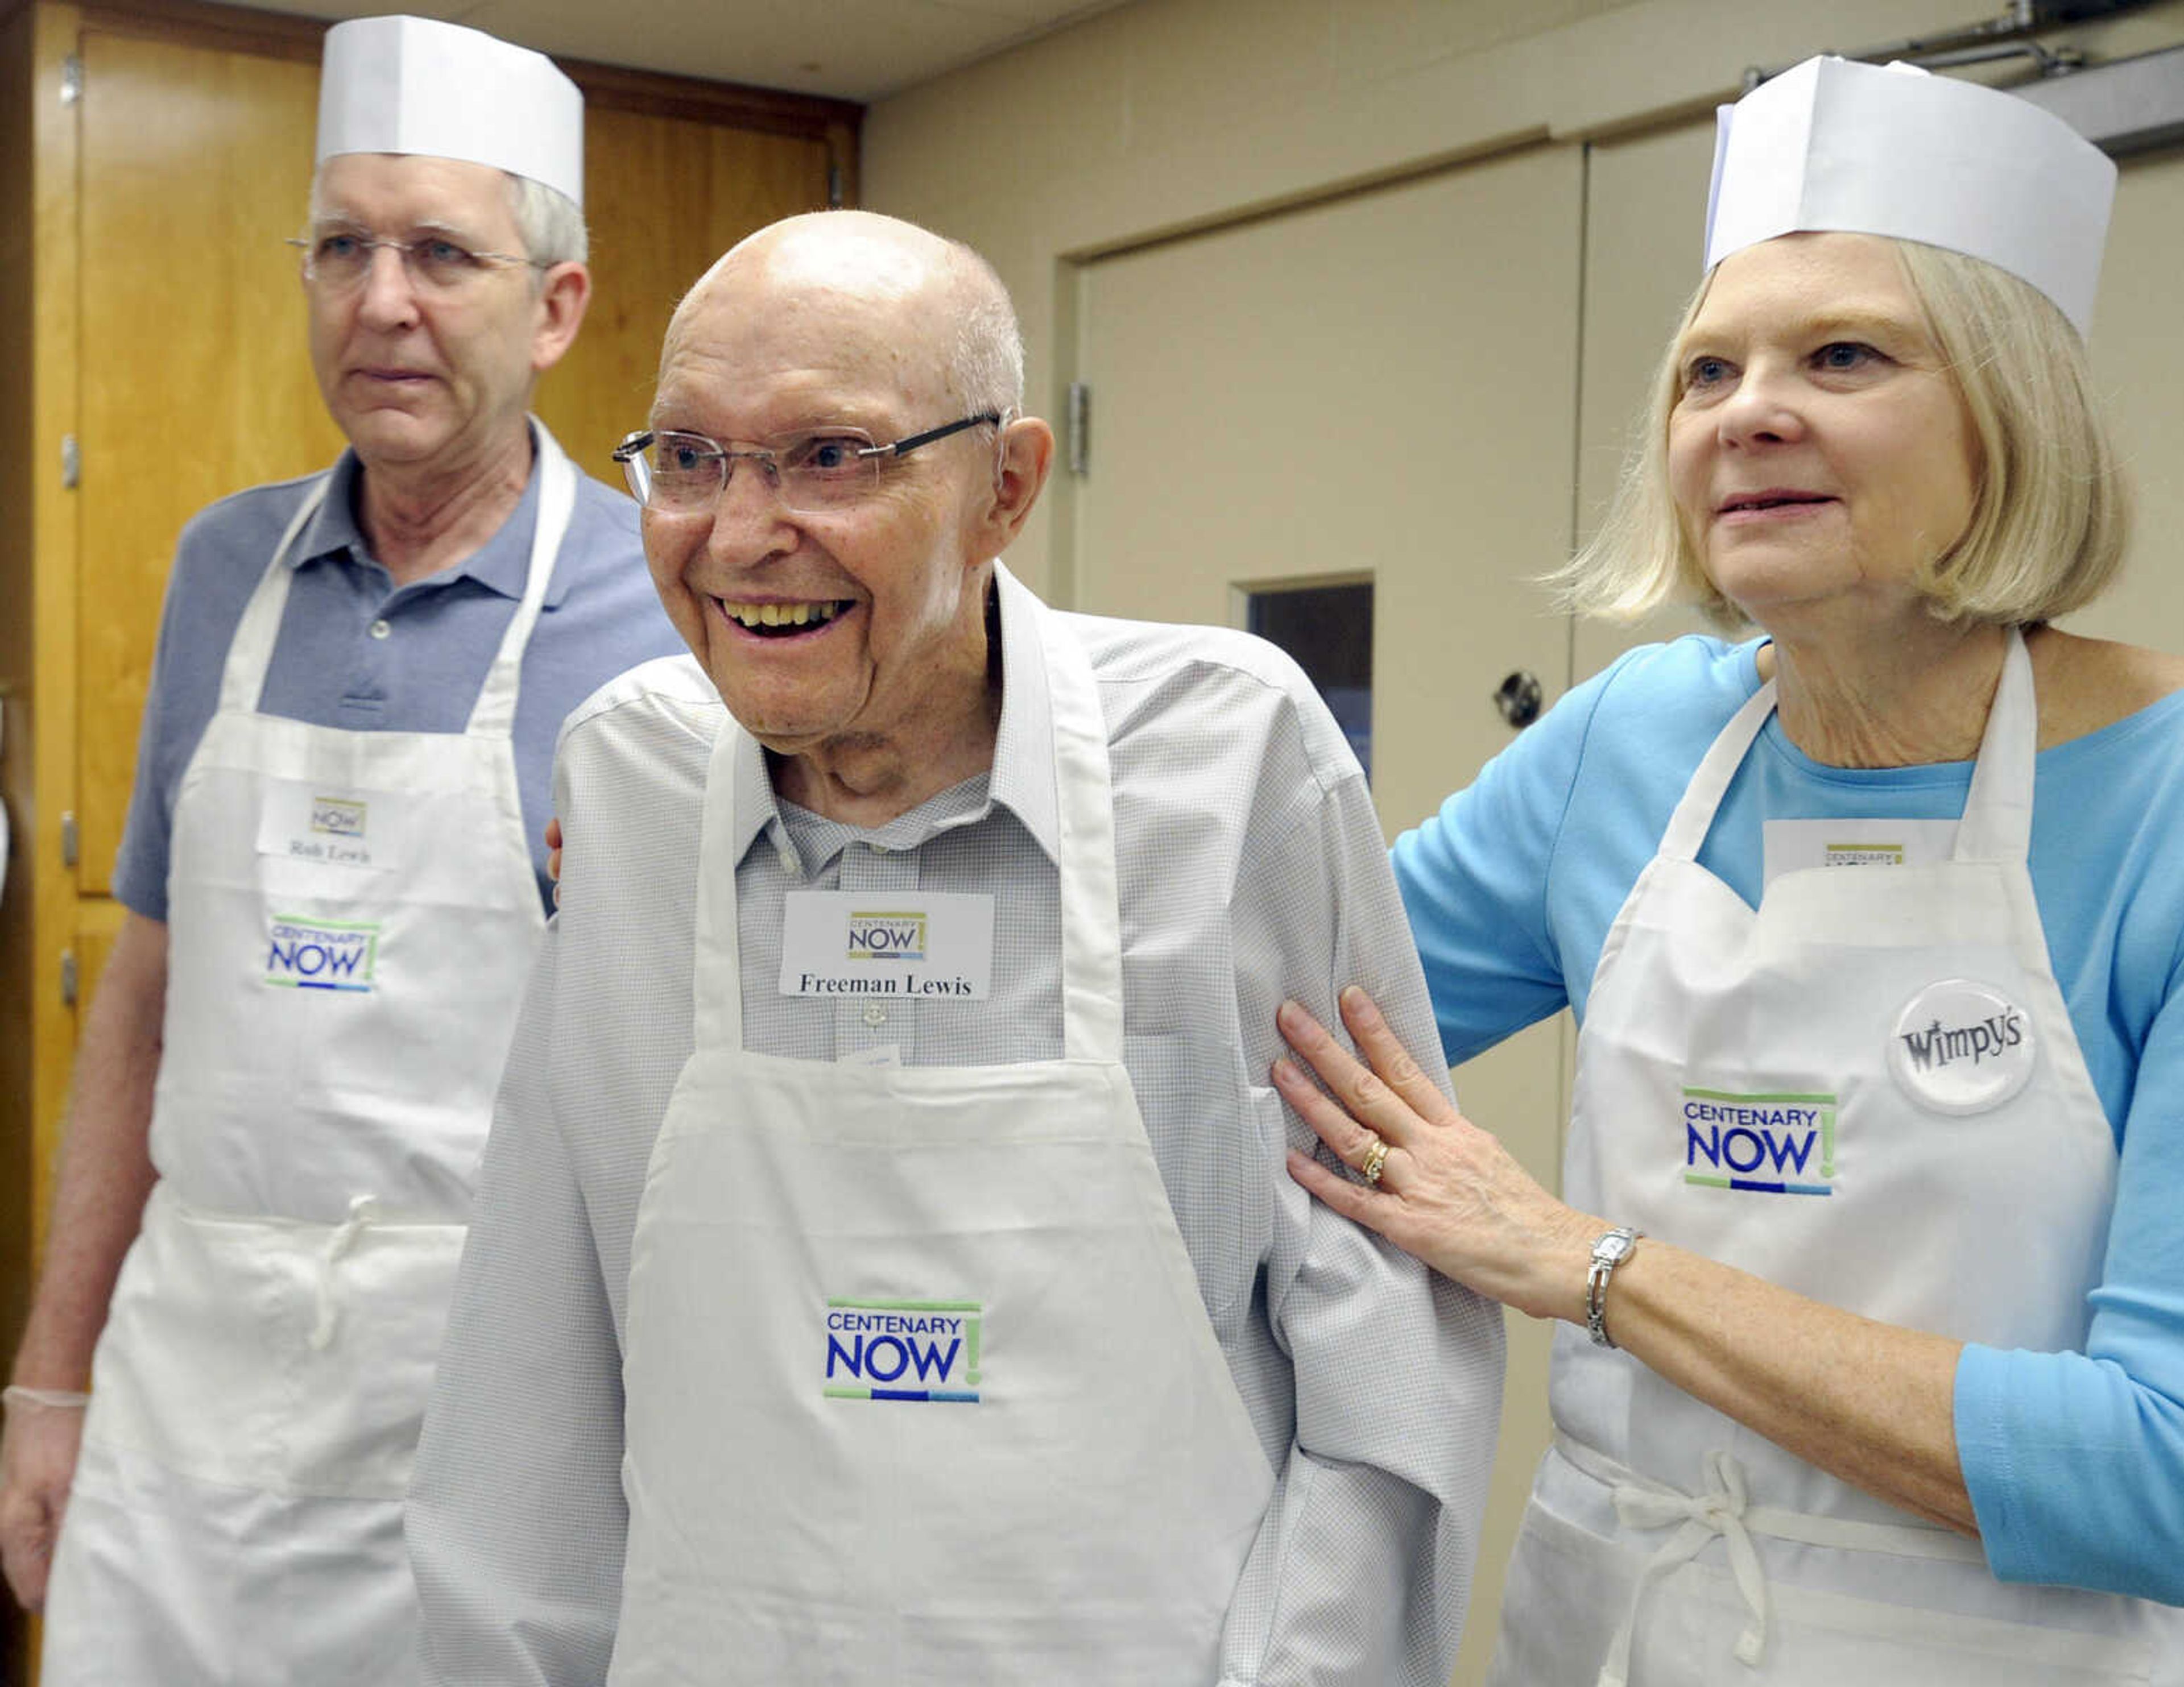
1819, 450
861, 627
419, 378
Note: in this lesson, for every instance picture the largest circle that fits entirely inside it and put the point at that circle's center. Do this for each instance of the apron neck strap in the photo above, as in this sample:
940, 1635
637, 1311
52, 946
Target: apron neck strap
494, 716
1694, 815
250, 652
716, 966
1998, 822
1085, 810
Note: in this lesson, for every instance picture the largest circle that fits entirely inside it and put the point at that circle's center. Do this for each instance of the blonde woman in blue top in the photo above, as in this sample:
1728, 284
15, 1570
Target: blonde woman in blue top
1871, 1358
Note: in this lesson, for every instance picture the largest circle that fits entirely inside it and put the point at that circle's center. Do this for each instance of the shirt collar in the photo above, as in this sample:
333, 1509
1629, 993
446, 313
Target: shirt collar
1022, 775
501, 565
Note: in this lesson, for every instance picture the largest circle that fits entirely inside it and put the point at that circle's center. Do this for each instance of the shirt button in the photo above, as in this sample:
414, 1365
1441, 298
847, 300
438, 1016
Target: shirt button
876, 1015
789, 864
380, 629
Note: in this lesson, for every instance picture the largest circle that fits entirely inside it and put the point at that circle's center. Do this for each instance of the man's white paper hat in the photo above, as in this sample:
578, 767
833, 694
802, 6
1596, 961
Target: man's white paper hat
415, 84
1873, 149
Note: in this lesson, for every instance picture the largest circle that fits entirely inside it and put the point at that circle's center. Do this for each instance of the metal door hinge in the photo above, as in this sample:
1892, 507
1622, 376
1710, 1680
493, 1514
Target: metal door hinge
71, 80
1080, 428
67, 977
70, 842
71, 463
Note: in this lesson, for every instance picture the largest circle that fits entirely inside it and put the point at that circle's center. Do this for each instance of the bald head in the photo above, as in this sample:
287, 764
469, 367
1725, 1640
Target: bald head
948, 308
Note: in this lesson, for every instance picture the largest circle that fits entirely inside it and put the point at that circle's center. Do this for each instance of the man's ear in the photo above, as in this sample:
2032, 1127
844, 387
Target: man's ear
566, 290
1022, 459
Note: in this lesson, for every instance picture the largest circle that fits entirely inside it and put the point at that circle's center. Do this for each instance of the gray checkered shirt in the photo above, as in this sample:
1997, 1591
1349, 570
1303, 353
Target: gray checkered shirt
1251, 867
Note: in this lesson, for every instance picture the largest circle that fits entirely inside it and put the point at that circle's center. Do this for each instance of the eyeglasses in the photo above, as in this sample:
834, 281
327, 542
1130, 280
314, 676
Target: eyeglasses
341, 259
811, 472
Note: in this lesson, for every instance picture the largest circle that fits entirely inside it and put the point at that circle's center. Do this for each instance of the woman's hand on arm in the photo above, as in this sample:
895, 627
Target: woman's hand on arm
1449, 1191
1868, 1402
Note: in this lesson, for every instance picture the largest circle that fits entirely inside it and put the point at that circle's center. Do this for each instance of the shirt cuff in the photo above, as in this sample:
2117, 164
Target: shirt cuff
1987, 1454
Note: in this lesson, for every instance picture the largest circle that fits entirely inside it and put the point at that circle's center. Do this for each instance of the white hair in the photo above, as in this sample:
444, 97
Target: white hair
548, 220
986, 366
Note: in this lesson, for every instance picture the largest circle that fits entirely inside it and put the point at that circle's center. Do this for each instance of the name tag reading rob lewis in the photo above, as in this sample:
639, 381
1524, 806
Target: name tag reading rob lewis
929, 946
335, 827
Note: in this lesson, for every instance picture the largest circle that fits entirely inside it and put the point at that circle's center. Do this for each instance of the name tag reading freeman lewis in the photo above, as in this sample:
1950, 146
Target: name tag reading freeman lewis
924, 945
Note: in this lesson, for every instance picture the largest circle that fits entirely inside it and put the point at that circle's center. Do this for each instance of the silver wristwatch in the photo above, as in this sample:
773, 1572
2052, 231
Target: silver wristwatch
1610, 1251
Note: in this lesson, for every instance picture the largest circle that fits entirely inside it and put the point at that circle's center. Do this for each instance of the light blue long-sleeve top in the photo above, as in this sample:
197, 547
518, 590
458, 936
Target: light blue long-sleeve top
2075, 1461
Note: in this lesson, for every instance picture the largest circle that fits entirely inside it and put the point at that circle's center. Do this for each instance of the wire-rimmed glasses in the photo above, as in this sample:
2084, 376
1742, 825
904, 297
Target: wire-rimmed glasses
811, 471
340, 259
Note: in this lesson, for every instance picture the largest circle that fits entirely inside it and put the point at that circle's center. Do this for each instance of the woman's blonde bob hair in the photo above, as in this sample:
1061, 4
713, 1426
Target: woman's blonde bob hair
2050, 514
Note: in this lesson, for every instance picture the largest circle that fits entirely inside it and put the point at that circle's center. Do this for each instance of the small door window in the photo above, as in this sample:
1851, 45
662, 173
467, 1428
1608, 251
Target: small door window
1329, 630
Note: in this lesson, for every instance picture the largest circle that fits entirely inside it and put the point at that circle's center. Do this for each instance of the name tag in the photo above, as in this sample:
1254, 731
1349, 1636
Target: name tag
366, 829
1793, 845
907, 945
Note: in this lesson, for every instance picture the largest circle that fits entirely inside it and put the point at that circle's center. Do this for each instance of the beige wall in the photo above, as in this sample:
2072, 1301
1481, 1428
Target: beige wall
1170, 114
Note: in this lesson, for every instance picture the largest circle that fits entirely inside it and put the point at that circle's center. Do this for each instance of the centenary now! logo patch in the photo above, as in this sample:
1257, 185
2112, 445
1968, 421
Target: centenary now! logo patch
922, 1350
321, 954
1774, 1144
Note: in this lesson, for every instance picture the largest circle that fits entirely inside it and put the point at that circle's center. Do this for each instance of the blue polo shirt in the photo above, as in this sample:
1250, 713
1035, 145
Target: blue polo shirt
357, 651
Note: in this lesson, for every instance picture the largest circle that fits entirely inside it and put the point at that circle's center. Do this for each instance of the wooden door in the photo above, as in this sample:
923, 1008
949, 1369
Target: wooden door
664, 195
196, 162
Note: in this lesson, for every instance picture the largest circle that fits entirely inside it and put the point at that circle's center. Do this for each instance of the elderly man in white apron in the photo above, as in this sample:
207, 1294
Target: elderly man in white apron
347, 919
883, 1269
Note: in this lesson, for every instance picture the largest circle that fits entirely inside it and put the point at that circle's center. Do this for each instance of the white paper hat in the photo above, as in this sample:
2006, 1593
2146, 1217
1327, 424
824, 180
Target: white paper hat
1873, 149
415, 84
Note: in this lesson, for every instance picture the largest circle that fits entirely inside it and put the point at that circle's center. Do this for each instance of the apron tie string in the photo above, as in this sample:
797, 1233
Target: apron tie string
362, 1210
1725, 1510
1720, 1510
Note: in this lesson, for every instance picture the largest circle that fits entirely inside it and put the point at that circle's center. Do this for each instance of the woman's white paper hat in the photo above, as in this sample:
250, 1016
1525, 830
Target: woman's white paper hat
1874, 149
415, 84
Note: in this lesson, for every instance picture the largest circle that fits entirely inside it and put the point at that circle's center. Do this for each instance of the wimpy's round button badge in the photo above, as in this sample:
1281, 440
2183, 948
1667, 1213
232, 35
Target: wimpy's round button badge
1961, 1047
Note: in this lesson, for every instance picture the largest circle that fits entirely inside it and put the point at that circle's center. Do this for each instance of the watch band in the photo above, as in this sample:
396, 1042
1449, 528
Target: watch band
1610, 1250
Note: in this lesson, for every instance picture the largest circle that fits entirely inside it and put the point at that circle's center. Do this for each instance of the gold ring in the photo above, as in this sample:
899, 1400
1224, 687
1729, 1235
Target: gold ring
1375, 1157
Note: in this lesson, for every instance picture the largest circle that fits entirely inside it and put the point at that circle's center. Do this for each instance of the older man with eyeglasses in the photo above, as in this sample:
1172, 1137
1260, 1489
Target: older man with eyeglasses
334, 894
885, 1269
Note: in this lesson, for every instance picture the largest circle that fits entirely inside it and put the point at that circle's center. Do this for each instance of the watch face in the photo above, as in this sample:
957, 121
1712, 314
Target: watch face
1611, 1248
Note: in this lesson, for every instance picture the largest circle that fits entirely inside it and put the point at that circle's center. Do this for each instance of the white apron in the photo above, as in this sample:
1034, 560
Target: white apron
1867, 1090
919, 1386
352, 918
